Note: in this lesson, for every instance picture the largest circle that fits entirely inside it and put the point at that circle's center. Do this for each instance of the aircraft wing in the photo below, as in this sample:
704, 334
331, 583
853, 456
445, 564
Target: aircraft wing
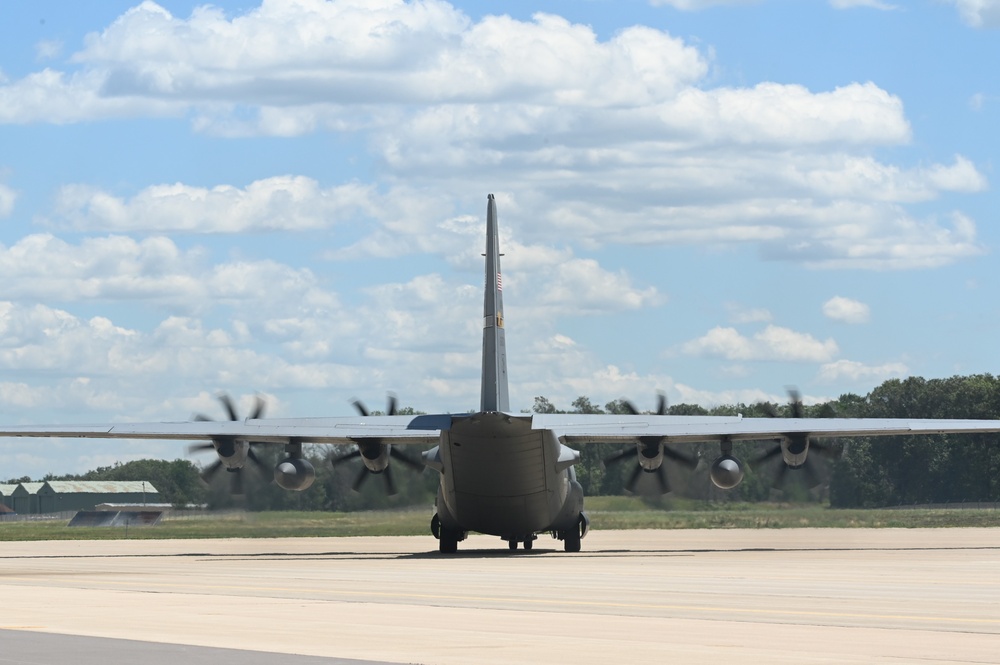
572, 428
399, 429
582, 428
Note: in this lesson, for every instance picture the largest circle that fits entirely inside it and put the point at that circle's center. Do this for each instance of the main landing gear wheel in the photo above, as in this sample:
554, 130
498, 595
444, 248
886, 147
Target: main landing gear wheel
571, 538
449, 542
447, 539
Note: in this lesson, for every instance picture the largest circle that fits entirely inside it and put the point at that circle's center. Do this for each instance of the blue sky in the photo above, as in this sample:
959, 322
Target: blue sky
716, 199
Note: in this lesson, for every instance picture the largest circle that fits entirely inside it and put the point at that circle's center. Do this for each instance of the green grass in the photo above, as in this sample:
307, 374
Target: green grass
613, 512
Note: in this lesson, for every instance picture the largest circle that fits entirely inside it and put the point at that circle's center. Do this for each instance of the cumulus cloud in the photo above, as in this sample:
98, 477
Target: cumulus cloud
42, 267
326, 56
856, 371
55, 97
287, 203
846, 310
448, 103
979, 13
96, 363
261, 323
582, 286
772, 343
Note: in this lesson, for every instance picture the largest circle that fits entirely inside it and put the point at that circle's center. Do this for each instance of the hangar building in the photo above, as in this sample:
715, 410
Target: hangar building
54, 496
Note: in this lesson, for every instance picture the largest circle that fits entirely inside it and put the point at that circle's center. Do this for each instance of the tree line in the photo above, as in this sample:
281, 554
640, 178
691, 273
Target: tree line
864, 472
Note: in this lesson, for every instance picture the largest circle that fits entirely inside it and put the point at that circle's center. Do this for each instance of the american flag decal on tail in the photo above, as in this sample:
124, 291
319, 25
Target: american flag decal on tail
499, 282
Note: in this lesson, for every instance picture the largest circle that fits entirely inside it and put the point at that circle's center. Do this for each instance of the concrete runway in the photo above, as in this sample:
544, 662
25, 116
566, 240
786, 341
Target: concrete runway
762, 596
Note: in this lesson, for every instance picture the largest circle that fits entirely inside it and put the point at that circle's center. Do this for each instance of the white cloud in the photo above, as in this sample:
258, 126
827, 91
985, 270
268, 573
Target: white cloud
22, 395
850, 4
833, 211
48, 49
318, 57
979, 13
626, 128
153, 271
96, 363
695, 5
52, 96
582, 286
7, 198
914, 244
741, 314
771, 344
846, 310
278, 203
855, 371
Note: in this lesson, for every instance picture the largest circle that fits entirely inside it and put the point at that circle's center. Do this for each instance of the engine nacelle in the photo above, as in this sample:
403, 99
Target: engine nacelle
294, 473
795, 450
727, 472
232, 453
374, 454
650, 455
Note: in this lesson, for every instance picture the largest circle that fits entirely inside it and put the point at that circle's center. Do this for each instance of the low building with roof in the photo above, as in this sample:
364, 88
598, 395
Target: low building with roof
6, 492
56, 496
25, 498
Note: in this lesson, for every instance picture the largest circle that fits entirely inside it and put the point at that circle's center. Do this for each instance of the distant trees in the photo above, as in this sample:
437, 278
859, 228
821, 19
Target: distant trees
923, 469
876, 471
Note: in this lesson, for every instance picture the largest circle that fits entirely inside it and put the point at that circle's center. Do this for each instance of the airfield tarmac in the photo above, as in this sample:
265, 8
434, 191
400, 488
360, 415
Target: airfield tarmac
761, 596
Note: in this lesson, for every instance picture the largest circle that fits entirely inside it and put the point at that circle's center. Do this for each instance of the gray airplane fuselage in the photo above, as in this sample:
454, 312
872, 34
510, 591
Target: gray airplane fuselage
500, 477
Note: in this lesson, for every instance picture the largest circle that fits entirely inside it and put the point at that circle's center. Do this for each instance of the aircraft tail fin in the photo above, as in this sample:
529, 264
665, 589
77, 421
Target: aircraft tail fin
494, 396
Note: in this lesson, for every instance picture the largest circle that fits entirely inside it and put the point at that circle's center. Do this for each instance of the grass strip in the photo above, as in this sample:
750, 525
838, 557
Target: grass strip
605, 513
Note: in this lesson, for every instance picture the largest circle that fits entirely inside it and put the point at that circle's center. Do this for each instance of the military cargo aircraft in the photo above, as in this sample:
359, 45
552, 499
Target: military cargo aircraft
504, 473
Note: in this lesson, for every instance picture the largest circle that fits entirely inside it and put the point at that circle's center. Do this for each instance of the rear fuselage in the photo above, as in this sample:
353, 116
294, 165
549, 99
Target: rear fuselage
501, 477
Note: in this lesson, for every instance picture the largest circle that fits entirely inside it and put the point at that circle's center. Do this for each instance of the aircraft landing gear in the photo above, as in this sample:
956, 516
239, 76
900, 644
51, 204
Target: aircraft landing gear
571, 538
448, 539
448, 543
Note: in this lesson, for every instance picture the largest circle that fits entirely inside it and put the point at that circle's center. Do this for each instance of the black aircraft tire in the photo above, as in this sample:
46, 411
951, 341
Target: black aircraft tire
448, 543
528, 544
571, 541
512, 544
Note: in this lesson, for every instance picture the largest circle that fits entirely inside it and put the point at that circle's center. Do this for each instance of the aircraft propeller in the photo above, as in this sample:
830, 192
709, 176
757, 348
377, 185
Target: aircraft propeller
376, 454
232, 453
796, 444
651, 451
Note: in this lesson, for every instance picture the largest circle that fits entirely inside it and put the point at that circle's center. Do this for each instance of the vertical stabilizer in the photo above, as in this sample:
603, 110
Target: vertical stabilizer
494, 392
